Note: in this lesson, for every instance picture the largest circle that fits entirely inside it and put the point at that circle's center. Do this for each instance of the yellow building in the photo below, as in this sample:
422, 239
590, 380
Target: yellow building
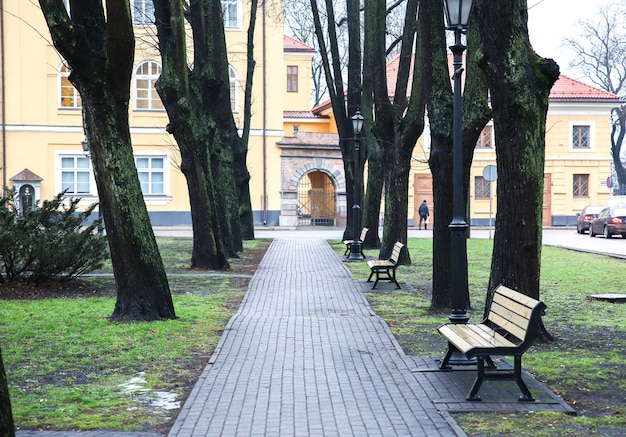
41, 117
578, 158
294, 157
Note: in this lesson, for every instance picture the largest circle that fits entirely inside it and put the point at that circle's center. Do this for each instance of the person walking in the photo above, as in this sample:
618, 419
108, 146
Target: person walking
424, 213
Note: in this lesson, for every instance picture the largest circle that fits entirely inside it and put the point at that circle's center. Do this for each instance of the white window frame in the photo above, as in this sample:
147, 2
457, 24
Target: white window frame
156, 198
592, 136
142, 12
86, 197
152, 97
65, 84
230, 22
233, 80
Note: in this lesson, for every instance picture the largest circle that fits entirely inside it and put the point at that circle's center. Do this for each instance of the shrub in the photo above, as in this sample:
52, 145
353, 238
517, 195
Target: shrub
51, 242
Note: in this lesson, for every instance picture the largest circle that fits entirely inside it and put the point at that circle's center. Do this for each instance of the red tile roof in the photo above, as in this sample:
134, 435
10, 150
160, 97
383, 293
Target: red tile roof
568, 89
565, 89
293, 45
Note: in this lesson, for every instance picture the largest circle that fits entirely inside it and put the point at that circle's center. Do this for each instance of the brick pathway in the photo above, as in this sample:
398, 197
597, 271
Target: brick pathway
306, 356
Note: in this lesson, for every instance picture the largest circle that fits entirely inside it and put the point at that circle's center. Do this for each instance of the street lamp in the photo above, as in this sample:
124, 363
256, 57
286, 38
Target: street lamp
85, 145
355, 246
457, 17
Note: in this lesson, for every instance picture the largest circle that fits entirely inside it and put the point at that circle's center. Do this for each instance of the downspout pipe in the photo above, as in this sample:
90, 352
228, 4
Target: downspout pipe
264, 200
3, 108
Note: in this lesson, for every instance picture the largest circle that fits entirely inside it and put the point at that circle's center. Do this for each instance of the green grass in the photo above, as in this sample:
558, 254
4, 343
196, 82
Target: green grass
585, 363
67, 363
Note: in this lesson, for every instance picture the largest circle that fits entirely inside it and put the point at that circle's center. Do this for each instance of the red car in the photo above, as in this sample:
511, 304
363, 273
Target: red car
610, 221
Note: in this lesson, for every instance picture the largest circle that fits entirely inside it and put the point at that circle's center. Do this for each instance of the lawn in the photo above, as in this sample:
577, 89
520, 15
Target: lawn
585, 363
69, 367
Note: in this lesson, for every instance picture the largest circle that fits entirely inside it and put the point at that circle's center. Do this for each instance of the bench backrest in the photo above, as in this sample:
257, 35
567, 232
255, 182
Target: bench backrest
516, 313
363, 234
395, 253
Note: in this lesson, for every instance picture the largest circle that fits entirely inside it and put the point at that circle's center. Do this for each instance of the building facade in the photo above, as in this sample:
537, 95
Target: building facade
294, 158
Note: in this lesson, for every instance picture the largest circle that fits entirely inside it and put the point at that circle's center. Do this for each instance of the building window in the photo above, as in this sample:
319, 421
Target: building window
151, 171
146, 96
581, 185
143, 11
234, 88
68, 95
482, 188
581, 137
485, 141
75, 174
292, 79
230, 12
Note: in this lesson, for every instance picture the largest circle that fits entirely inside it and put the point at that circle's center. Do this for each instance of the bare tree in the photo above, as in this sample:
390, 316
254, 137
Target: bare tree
98, 45
600, 48
299, 24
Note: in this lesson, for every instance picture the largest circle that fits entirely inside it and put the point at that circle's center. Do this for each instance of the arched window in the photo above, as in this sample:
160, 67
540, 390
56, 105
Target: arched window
68, 95
234, 89
146, 96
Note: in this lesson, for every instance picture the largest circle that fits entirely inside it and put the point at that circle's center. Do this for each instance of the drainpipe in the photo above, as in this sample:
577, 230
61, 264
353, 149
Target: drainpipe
264, 118
3, 108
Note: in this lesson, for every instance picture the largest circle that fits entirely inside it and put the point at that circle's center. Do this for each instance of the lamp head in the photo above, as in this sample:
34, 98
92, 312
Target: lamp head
85, 144
357, 122
457, 13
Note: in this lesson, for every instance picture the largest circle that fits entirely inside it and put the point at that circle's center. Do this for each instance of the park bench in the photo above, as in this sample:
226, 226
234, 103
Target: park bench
509, 330
386, 268
348, 243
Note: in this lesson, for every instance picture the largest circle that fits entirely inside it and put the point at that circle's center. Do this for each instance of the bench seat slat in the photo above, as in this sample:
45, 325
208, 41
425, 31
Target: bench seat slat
472, 335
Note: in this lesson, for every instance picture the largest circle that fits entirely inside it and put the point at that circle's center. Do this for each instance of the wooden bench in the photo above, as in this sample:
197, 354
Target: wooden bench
348, 243
509, 330
386, 267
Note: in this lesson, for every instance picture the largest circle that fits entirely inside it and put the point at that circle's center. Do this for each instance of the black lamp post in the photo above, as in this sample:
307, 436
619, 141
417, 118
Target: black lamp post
457, 17
355, 246
85, 144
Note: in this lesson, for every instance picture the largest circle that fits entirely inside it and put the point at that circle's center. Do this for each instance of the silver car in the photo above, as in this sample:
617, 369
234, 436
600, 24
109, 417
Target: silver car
588, 214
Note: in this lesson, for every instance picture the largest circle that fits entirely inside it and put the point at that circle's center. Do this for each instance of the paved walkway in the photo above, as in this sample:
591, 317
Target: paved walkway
306, 356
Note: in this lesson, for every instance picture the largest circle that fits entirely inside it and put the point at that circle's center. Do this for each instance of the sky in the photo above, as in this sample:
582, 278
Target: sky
550, 21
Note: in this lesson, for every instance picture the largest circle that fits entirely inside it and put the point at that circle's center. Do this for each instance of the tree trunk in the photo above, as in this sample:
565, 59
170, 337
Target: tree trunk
520, 83
184, 94
618, 130
399, 123
240, 144
333, 74
7, 429
100, 54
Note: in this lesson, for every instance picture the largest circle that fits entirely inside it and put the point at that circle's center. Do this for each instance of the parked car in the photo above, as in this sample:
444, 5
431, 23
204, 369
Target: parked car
588, 214
609, 222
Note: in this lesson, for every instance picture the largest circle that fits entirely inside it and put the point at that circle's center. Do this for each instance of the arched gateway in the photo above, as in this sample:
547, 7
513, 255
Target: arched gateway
313, 184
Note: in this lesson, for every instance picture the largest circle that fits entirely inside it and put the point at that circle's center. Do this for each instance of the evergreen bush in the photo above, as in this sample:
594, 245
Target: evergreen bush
51, 242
